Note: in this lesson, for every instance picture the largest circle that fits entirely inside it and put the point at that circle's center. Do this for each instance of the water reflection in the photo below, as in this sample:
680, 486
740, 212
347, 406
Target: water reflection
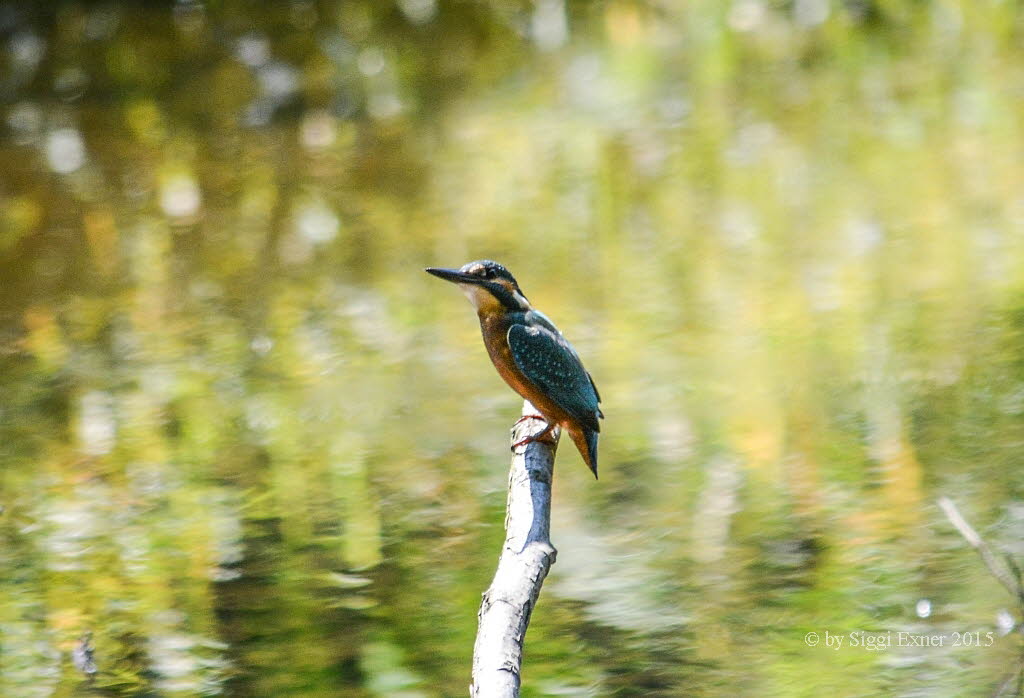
249, 450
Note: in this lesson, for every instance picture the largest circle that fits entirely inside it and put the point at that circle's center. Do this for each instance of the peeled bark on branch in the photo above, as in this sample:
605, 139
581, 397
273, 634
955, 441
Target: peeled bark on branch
526, 557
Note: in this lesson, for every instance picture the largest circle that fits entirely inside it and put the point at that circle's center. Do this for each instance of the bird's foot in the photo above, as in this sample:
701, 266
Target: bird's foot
528, 416
539, 436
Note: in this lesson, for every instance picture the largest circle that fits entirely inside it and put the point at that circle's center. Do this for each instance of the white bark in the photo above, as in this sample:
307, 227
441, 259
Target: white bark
526, 557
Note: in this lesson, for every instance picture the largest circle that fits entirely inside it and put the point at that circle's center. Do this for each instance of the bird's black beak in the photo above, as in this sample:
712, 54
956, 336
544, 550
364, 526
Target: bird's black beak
454, 275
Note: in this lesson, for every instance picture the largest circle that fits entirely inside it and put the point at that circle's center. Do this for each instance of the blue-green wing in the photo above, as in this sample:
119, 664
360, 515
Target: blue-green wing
552, 365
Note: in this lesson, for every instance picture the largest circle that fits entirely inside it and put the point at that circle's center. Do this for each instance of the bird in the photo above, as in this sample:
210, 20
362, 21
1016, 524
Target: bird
531, 355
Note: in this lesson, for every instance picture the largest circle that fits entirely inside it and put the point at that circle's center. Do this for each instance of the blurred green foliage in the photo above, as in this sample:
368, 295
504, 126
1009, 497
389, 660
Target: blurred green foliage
254, 450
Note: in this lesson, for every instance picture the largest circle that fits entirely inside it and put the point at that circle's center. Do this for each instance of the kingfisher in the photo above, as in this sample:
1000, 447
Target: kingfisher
531, 355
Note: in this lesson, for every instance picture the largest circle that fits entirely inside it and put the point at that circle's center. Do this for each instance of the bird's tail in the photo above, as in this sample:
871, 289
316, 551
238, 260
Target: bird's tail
586, 442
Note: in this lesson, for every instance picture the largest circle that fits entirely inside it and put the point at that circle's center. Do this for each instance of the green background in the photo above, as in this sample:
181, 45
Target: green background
254, 450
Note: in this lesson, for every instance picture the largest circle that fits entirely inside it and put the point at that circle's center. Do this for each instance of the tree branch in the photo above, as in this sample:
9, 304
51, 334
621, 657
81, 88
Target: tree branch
995, 566
526, 557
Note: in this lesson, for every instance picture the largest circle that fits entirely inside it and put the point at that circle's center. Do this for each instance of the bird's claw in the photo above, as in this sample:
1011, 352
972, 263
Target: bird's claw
528, 416
539, 436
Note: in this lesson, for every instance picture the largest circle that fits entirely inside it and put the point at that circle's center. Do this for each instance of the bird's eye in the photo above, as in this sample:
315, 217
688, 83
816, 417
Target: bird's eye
488, 273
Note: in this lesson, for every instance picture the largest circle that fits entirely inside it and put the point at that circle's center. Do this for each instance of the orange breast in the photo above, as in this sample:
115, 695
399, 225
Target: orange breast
495, 332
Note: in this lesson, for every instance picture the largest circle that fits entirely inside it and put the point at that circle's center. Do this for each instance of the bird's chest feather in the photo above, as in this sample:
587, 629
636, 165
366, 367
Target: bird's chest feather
495, 333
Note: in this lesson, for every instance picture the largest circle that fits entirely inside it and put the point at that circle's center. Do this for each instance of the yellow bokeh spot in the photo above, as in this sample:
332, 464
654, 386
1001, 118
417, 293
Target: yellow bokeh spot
44, 339
146, 122
19, 216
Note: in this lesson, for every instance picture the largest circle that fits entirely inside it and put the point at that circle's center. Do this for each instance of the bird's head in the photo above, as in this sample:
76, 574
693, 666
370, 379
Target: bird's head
490, 287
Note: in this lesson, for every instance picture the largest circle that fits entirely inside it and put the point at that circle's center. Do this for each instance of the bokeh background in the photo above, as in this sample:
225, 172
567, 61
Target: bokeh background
254, 450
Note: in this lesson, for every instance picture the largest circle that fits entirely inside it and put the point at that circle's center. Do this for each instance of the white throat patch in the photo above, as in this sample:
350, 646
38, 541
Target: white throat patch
480, 297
